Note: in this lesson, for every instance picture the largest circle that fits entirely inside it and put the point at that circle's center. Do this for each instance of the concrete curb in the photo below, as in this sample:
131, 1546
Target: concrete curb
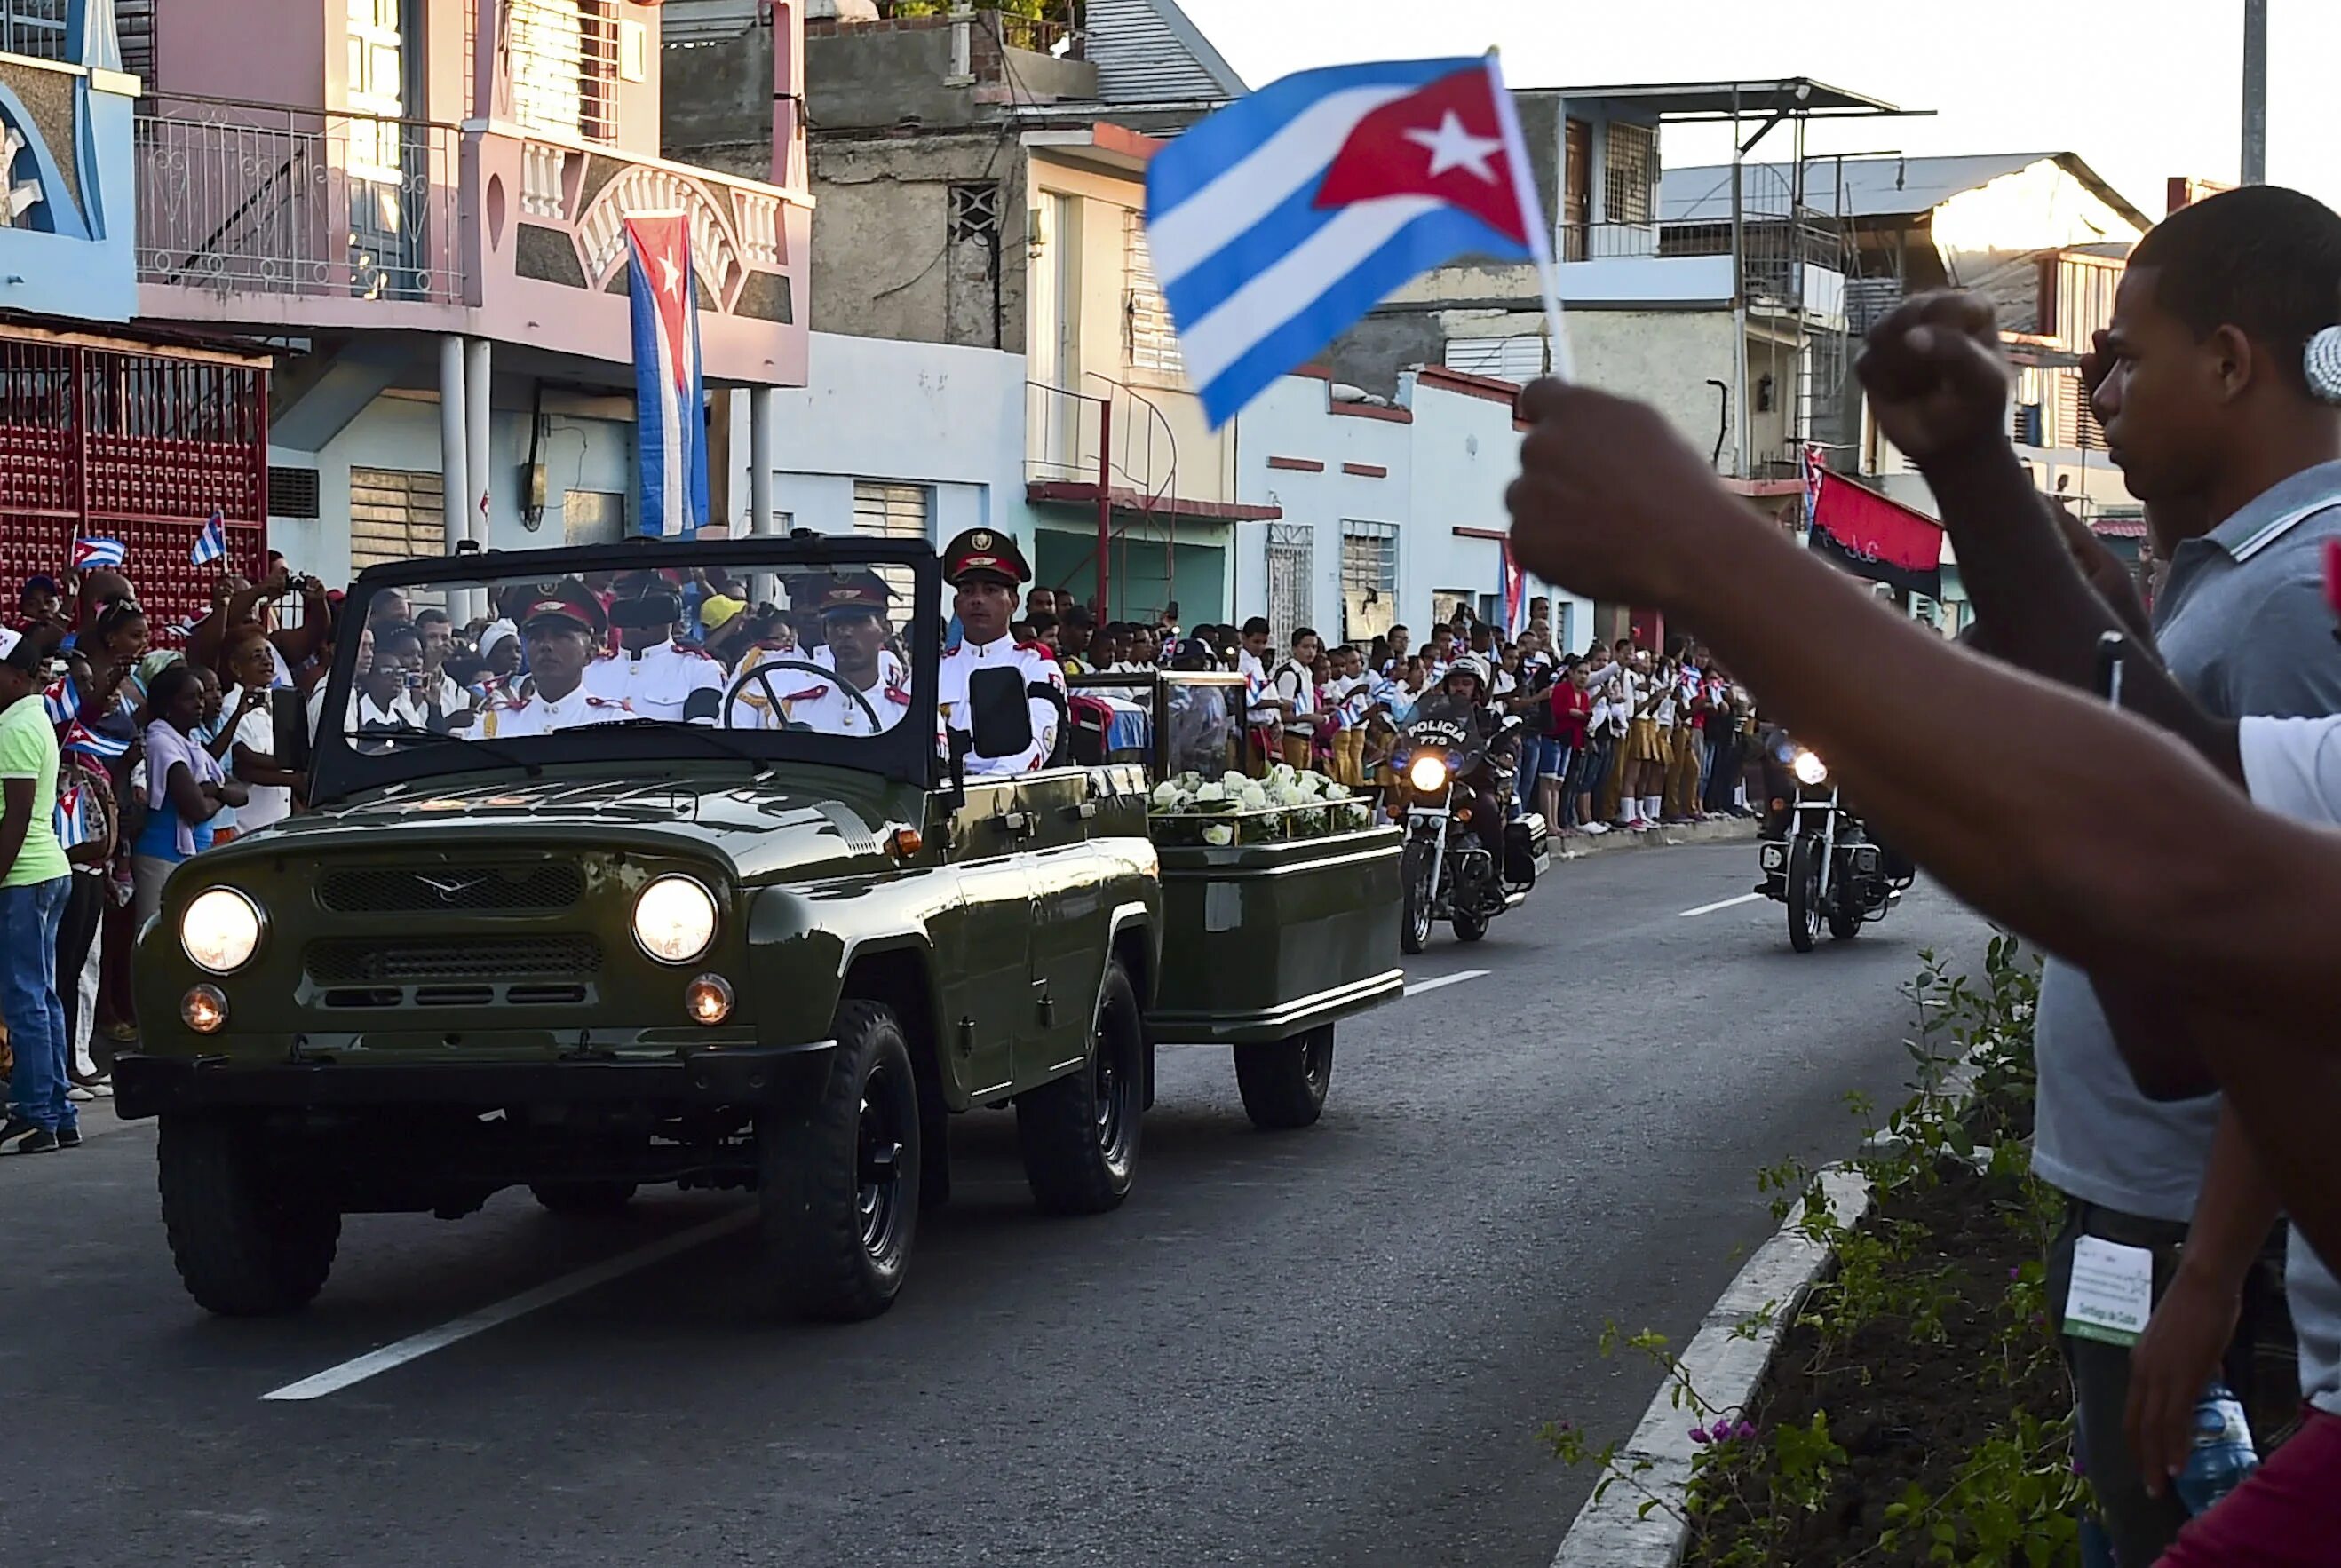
1725, 1365
1723, 830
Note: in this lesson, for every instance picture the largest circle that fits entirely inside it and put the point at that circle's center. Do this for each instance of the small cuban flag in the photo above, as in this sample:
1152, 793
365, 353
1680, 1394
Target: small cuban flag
670, 404
1277, 222
80, 736
212, 543
95, 552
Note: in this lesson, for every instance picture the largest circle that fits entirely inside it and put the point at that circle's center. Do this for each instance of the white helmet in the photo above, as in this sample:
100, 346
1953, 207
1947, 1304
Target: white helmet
1473, 665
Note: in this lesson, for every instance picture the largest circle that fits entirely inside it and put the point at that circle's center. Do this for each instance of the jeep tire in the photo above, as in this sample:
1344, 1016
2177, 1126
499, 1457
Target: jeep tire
250, 1238
1079, 1134
838, 1177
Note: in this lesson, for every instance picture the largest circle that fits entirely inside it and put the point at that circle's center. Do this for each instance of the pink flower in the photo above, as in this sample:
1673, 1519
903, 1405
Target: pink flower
1699, 1434
1745, 1429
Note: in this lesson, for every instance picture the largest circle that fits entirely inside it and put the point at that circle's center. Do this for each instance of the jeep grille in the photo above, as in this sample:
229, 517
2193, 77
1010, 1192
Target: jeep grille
544, 887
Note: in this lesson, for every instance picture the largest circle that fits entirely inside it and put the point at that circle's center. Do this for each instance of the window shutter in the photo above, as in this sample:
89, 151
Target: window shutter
1153, 341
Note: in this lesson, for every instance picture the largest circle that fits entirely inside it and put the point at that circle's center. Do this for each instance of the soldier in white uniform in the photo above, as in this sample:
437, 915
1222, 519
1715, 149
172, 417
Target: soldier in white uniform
562, 628
853, 623
650, 672
987, 569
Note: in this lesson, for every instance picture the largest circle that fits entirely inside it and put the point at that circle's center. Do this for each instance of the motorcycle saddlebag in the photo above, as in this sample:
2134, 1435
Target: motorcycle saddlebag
1527, 850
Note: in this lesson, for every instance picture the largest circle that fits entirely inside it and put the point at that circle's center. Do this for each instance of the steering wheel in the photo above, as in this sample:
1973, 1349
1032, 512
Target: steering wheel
762, 675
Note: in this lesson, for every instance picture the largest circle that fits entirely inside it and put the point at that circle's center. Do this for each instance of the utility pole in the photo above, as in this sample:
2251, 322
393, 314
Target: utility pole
2254, 159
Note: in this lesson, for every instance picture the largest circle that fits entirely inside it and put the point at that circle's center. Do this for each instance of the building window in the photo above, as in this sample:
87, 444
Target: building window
886, 511
395, 515
1369, 578
562, 57
35, 28
1153, 342
974, 214
1517, 359
1630, 174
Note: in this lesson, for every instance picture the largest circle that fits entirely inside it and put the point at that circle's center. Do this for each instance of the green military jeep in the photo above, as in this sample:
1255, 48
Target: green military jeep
755, 918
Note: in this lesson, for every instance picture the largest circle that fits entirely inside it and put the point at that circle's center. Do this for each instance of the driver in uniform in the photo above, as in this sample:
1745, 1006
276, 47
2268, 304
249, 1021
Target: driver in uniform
853, 625
562, 626
649, 672
987, 569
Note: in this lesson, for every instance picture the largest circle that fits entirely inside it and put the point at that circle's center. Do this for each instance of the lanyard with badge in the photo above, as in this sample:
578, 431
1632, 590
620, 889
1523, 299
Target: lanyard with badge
2112, 1292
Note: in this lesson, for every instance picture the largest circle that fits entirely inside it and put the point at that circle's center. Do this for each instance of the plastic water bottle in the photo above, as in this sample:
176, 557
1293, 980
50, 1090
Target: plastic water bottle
2222, 1455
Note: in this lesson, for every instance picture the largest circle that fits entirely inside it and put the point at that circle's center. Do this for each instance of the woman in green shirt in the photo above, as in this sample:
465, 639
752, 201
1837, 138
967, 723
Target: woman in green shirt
32, 887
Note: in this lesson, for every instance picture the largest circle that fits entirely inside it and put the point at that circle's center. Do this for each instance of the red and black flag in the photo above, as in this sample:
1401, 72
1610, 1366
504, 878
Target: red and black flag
1875, 538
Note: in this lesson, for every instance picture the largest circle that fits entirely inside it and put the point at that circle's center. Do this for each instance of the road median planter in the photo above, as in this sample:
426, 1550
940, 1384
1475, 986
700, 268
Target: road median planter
1881, 1383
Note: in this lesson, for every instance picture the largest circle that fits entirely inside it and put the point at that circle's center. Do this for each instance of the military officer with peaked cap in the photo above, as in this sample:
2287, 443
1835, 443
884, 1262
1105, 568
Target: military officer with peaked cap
853, 609
561, 625
986, 568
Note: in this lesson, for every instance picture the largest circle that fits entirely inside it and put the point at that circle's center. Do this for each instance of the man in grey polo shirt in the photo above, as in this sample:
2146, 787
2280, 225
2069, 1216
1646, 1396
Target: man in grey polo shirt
2208, 410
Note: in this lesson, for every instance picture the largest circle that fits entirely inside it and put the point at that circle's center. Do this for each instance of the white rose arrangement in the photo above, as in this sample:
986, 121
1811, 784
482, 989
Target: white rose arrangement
1290, 803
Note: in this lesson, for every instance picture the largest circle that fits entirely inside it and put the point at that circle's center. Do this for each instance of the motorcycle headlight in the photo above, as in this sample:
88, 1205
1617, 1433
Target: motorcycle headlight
674, 919
1428, 773
219, 931
1809, 769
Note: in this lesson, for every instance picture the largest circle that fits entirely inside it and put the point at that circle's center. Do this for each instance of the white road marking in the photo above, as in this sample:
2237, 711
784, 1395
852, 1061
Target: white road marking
1719, 903
373, 1362
1417, 987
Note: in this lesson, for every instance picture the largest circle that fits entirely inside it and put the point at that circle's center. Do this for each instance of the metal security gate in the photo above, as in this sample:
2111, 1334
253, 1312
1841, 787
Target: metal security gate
1289, 551
121, 442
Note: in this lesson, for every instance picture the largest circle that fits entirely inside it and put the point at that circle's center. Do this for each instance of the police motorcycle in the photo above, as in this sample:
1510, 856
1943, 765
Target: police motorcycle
1816, 856
1446, 773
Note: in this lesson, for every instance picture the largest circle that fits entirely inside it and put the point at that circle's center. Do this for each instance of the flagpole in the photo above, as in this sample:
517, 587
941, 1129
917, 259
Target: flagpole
1524, 187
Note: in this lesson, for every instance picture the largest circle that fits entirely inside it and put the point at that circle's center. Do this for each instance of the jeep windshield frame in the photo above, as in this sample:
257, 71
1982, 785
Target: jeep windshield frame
907, 753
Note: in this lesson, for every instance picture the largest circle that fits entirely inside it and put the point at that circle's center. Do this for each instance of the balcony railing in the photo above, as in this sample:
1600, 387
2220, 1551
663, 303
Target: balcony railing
35, 28
1773, 249
250, 198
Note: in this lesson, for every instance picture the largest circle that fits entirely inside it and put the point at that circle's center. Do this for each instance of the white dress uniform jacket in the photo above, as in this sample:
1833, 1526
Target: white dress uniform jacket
1036, 664
657, 682
540, 715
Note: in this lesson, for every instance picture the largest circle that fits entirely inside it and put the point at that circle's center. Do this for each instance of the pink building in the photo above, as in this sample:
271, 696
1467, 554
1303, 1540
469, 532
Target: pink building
424, 200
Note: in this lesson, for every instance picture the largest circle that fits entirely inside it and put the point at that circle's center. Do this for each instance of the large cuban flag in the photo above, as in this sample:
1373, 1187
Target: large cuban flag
671, 428
1281, 220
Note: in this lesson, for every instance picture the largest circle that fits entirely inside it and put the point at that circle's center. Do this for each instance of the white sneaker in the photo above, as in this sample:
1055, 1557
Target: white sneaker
1595, 829
77, 1093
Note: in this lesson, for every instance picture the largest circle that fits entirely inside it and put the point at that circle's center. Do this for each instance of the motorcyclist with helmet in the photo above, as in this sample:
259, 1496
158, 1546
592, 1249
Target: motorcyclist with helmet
1461, 698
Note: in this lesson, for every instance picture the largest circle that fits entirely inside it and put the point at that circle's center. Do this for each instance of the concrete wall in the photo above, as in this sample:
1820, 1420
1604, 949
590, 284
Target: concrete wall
911, 414
875, 75
885, 263
591, 449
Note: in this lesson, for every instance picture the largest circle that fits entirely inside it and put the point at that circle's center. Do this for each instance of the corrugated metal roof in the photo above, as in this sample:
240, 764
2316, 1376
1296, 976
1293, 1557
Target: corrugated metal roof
1861, 187
1147, 52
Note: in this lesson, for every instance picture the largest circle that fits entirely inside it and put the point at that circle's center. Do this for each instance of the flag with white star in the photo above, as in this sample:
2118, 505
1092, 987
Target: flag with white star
670, 400
1280, 221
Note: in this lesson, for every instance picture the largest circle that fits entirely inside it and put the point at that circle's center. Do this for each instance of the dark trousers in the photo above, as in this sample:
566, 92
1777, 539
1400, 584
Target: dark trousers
84, 906
2260, 1365
1724, 776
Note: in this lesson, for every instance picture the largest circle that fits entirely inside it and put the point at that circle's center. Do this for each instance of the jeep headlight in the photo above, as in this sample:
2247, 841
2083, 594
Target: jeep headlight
1808, 767
674, 919
1428, 773
219, 931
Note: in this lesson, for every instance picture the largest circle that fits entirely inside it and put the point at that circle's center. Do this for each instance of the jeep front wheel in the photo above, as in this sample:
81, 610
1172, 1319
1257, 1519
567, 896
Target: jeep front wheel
838, 1180
1079, 1134
250, 1238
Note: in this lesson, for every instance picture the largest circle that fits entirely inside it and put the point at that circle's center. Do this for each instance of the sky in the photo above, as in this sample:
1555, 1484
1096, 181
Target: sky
2141, 89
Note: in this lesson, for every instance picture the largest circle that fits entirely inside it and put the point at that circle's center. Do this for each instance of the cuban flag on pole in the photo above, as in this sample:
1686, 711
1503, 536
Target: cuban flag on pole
1512, 587
669, 423
1280, 221
88, 553
212, 543
1815, 466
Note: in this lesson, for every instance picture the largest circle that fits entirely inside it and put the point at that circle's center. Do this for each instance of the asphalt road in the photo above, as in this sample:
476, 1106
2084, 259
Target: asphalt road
1329, 1347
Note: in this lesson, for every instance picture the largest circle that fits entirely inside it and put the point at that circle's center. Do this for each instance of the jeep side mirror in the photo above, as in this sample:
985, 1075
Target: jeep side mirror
289, 717
998, 718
